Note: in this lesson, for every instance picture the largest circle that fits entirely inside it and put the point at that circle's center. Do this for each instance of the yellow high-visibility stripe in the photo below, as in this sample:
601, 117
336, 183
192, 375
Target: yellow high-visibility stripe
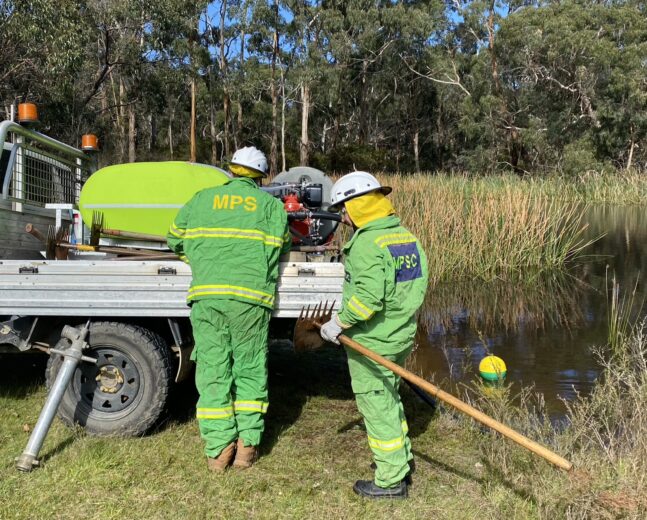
230, 293
390, 445
239, 287
357, 311
176, 231
250, 406
233, 290
405, 427
215, 413
243, 234
357, 305
394, 238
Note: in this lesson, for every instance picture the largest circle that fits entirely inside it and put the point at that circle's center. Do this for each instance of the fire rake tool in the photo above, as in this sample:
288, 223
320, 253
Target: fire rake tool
140, 253
131, 234
98, 228
72, 356
57, 247
306, 337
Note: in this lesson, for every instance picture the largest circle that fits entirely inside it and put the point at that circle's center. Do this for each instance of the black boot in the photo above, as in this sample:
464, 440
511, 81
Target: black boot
368, 489
407, 477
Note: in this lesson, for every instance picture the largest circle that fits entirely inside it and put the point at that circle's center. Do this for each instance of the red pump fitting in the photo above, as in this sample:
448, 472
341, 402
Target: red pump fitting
291, 203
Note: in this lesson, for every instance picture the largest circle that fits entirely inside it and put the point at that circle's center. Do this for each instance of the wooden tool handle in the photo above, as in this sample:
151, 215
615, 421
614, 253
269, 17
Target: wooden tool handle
511, 434
116, 250
132, 234
29, 228
166, 256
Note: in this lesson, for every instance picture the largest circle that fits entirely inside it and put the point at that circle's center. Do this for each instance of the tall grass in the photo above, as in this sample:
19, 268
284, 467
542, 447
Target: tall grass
620, 311
604, 434
592, 187
487, 228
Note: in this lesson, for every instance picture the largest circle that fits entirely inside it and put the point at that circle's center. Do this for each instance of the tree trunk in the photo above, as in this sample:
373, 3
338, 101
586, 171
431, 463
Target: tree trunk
238, 136
416, 149
305, 112
170, 131
632, 145
226, 109
193, 115
214, 133
363, 109
490, 30
283, 162
323, 137
273, 93
132, 133
122, 119
226, 102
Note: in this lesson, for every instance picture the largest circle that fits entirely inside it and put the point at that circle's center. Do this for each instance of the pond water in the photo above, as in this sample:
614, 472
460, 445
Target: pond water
544, 330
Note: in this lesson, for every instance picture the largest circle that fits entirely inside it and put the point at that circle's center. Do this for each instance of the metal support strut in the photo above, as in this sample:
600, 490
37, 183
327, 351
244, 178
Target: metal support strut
73, 355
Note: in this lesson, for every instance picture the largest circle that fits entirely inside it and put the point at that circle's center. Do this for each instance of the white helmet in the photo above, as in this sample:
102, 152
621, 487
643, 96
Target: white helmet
251, 157
353, 185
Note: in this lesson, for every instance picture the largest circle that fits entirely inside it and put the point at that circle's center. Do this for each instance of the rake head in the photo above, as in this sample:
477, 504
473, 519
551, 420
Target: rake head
54, 238
96, 228
306, 332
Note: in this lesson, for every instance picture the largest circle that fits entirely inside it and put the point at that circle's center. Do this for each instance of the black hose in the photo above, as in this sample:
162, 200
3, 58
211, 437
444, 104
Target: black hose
423, 395
324, 215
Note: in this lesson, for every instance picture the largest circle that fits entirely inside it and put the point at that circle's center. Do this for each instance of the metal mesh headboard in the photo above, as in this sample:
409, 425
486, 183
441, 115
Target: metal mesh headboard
37, 170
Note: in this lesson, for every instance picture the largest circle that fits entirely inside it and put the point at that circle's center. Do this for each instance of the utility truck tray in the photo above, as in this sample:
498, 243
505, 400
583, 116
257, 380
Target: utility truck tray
115, 288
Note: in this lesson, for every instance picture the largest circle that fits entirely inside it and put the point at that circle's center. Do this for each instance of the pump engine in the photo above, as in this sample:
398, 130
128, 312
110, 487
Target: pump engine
305, 193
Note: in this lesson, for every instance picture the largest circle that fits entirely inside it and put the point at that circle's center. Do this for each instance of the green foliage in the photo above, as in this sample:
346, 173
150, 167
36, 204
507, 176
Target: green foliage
579, 157
487, 86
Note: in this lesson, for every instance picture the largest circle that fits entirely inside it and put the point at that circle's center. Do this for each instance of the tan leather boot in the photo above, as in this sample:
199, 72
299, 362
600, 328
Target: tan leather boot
220, 463
245, 455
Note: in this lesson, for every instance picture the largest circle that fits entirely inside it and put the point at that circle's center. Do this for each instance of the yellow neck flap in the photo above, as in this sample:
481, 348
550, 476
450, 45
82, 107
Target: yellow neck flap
244, 171
367, 208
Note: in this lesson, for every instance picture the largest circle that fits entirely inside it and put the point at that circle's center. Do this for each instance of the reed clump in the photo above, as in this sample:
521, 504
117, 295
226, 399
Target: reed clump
604, 435
487, 228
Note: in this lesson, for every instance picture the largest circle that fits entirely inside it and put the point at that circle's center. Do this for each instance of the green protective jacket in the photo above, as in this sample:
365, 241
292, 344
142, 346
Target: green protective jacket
232, 236
385, 283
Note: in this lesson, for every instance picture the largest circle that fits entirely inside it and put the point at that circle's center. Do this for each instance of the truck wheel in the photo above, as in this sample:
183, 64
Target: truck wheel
125, 393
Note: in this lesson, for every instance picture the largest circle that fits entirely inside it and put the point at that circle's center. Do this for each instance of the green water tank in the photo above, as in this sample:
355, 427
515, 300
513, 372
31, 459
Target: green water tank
145, 197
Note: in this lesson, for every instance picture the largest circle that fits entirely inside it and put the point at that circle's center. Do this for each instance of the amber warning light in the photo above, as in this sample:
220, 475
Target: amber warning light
89, 143
27, 113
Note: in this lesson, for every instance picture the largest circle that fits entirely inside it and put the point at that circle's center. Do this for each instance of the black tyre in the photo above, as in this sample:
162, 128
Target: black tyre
125, 393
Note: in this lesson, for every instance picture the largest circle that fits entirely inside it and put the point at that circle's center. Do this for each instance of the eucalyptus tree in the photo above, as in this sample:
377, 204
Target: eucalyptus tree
45, 68
305, 33
581, 72
267, 27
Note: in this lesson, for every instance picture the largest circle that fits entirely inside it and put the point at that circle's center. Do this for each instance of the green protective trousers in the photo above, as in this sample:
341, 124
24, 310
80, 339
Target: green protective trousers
376, 393
231, 371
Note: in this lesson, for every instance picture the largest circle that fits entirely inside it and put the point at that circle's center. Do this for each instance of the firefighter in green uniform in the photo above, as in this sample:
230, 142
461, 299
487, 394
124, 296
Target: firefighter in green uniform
232, 236
385, 284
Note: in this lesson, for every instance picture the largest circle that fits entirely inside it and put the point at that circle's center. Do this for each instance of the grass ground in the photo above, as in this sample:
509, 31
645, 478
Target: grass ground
314, 449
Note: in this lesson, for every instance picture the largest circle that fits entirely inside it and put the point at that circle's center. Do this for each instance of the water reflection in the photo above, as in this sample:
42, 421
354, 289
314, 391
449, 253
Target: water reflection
545, 330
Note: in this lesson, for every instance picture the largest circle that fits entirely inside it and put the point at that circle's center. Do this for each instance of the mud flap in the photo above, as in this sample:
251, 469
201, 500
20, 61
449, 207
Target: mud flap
184, 365
183, 348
